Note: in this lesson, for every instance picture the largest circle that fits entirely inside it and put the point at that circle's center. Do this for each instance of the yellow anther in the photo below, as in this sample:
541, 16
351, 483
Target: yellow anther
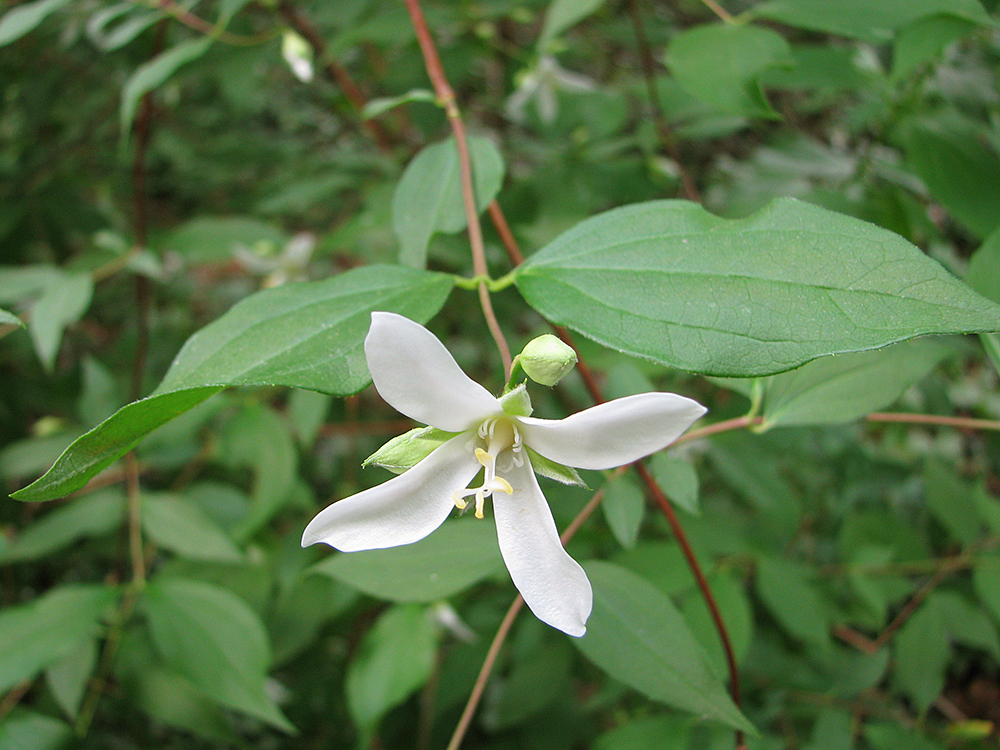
458, 500
483, 457
480, 499
504, 486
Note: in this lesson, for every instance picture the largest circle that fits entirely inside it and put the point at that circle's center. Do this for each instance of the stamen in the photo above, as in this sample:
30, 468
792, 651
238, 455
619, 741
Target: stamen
484, 458
459, 500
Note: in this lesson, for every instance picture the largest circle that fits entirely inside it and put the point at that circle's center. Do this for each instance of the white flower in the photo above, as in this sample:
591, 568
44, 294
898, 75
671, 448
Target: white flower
542, 84
290, 264
414, 373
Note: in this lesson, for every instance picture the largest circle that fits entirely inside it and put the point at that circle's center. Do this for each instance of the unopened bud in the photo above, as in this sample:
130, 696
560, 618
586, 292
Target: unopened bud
547, 359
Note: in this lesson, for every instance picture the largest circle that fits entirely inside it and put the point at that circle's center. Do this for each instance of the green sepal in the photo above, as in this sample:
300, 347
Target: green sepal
407, 450
516, 402
552, 470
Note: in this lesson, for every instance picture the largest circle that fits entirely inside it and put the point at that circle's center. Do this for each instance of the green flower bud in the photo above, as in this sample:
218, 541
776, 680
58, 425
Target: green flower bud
546, 359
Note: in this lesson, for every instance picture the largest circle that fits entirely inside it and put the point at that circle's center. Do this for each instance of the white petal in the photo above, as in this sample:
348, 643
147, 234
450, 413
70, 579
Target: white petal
401, 511
417, 376
612, 434
552, 583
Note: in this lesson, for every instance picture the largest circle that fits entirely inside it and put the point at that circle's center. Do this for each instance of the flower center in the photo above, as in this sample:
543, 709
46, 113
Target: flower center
499, 435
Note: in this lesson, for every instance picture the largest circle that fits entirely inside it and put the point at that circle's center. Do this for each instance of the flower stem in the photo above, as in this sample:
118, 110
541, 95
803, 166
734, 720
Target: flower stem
446, 98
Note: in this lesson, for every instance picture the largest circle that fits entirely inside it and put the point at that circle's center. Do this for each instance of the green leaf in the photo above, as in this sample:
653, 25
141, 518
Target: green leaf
259, 438
731, 598
174, 700
68, 678
847, 387
93, 515
960, 171
561, 15
788, 592
721, 63
27, 730
9, 322
428, 198
984, 268
155, 73
863, 19
535, 682
885, 735
395, 658
307, 411
377, 107
986, 581
678, 480
25, 17
924, 40
211, 637
40, 633
624, 507
454, 557
637, 636
306, 335
65, 298
921, 652
180, 526
668, 732
668, 281
96, 450
951, 502
214, 238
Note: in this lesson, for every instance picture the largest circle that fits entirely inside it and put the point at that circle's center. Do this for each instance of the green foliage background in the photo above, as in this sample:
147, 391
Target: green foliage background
716, 201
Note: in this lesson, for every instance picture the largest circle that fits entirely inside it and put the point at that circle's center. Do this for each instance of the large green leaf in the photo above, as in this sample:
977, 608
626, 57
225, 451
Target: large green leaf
637, 636
872, 20
671, 282
457, 555
720, 65
307, 335
44, 631
428, 198
214, 639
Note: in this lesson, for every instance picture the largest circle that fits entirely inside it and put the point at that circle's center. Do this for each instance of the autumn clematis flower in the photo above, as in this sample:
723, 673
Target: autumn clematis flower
414, 373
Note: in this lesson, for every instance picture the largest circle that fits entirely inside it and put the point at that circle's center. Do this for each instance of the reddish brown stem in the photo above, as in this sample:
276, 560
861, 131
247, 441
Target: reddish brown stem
506, 236
446, 97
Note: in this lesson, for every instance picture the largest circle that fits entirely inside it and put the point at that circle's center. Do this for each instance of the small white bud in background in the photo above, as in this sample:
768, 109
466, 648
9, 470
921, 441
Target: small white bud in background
298, 54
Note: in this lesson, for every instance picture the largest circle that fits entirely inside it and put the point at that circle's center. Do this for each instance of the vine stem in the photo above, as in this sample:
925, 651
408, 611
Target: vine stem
446, 98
